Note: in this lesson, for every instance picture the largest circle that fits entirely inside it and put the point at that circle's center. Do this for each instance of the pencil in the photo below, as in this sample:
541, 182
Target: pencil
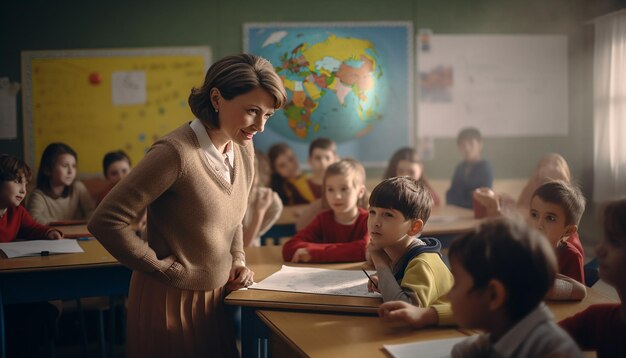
369, 278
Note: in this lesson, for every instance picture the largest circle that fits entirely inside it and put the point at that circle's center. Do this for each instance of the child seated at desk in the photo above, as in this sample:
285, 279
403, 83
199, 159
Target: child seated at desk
406, 161
322, 153
291, 185
59, 196
15, 221
264, 204
502, 271
555, 210
602, 327
409, 268
472, 173
115, 166
338, 234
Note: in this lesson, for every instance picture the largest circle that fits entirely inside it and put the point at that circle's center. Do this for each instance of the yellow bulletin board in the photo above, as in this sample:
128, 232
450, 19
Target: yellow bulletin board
97, 101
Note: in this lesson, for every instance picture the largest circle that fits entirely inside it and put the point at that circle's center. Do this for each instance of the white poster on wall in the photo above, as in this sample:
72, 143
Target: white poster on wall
505, 85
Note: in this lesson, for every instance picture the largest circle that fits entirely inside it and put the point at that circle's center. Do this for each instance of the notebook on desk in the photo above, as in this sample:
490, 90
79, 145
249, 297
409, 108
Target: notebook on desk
39, 248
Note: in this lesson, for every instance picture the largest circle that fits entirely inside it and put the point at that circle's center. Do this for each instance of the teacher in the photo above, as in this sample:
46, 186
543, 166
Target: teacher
195, 183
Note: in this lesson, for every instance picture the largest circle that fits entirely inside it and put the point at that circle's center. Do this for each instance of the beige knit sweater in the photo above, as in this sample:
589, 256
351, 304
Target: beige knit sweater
194, 216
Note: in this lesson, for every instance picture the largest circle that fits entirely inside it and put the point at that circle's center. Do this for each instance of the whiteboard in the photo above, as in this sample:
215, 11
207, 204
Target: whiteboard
102, 100
505, 85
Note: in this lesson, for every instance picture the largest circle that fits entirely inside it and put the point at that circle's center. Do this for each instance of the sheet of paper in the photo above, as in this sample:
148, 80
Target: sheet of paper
36, 247
317, 280
438, 348
129, 87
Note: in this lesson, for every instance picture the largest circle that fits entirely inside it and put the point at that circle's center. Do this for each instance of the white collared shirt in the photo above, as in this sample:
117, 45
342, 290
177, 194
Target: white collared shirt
536, 335
223, 163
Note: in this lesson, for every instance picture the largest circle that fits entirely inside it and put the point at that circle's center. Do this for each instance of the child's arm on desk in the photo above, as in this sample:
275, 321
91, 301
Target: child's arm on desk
417, 317
566, 289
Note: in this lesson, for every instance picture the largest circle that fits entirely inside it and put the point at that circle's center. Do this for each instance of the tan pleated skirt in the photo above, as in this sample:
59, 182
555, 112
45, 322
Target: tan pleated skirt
164, 321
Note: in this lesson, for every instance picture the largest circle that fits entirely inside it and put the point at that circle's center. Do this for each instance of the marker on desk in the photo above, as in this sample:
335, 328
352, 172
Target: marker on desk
45, 253
83, 238
369, 278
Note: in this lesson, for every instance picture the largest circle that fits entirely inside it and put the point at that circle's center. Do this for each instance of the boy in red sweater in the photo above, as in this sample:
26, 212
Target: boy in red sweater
15, 221
602, 327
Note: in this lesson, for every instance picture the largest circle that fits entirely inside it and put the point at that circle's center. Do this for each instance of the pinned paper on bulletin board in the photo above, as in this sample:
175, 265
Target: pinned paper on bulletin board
98, 101
8, 108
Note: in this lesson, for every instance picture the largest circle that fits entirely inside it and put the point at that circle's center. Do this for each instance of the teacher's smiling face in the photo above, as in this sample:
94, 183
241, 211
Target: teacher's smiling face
241, 117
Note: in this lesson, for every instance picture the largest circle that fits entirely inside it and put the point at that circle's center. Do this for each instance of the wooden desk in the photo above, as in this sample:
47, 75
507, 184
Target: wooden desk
61, 277
449, 220
266, 260
74, 231
564, 309
364, 336
298, 334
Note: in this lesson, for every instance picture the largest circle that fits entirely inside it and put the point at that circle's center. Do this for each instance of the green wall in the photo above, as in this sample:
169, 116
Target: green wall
39, 25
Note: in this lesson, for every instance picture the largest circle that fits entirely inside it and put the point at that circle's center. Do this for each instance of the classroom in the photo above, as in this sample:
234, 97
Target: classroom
526, 73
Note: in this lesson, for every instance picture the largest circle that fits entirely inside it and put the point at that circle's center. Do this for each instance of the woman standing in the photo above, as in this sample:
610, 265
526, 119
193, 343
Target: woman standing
195, 183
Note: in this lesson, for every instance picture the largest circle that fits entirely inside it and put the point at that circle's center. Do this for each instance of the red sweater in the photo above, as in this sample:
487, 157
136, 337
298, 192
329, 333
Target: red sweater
571, 257
599, 328
328, 241
17, 223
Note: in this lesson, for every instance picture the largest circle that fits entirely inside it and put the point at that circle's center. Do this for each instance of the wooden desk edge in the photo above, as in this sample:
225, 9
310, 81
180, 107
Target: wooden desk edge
277, 331
302, 306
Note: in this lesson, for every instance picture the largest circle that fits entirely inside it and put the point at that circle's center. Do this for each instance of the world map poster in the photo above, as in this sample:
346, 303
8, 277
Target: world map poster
351, 82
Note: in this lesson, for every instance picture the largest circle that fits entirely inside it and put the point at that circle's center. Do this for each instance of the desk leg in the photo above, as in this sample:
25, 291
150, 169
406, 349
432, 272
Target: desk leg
254, 335
3, 353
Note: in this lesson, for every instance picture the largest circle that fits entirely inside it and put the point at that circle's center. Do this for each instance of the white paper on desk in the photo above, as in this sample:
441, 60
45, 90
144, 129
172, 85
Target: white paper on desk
317, 280
35, 247
438, 348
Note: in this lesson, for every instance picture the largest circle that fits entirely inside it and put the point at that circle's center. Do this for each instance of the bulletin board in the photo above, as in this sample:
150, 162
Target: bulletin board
505, 85
98, 101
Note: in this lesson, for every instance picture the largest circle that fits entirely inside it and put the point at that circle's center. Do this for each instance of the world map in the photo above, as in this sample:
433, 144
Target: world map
335, 84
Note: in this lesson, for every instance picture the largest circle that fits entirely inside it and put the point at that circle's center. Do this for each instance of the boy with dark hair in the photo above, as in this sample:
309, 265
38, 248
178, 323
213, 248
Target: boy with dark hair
502, 271
555, 209
472, 173
322, 153
15, 221
409, 269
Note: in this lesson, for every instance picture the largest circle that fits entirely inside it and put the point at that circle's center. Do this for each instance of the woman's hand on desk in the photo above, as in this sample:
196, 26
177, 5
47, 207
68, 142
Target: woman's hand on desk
240, 276
400, 311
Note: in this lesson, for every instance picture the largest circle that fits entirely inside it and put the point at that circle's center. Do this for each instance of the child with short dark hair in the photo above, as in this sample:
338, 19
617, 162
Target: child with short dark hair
339, 234
555, 210
602, 327
322, 153
472, 173
59, 196
15, 221
409, 268
287, 180
502, 271
115, 166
